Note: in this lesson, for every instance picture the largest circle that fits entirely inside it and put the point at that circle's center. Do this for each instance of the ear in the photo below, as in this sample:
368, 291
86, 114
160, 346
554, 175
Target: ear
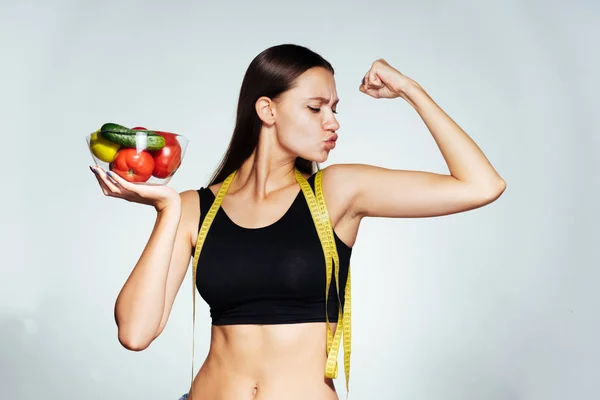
265, 108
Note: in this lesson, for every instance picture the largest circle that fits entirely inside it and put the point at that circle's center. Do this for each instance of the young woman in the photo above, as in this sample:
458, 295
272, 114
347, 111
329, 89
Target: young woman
261, 265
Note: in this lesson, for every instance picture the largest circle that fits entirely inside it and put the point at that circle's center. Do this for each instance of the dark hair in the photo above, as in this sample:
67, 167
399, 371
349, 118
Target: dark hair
270, 74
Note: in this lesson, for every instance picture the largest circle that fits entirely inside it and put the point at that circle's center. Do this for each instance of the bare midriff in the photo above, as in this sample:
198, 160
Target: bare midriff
265, 362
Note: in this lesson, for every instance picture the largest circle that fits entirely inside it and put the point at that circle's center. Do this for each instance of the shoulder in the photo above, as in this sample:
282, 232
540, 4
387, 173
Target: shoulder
190, 213
340, 187
343, 178
348, 185
189, 198
344, 171
190, 203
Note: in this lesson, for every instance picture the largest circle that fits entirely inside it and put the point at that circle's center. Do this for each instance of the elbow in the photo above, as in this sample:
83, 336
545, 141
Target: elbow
499, 189
133, 341
493, 192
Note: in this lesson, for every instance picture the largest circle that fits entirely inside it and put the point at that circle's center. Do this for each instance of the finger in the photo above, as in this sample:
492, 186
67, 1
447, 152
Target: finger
372, 76
120, 181
109, 184
374, 79
103, 186
362, 88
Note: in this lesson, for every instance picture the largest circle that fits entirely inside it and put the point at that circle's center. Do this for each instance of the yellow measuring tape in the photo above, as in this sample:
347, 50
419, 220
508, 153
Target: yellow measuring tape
320, 216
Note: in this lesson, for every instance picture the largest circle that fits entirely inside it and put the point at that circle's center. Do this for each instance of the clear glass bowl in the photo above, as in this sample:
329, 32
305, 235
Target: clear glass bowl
137, 155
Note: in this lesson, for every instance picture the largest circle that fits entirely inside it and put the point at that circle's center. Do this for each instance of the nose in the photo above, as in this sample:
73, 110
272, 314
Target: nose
331, 124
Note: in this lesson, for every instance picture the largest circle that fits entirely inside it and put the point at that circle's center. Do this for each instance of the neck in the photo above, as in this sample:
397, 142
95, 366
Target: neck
267, 170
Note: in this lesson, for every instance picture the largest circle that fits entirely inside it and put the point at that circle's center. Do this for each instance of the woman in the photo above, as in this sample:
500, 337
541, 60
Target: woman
261, 266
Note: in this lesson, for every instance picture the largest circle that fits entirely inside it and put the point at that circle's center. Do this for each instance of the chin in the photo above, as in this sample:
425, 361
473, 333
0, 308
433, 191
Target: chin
318, 156
321, 157
317, 159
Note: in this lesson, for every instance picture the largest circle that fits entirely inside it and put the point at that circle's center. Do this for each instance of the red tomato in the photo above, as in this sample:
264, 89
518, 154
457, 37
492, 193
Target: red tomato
132, 165
167, 159
139, 128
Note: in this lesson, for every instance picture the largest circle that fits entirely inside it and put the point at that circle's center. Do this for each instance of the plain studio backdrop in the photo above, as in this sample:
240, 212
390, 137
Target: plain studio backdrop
496, 303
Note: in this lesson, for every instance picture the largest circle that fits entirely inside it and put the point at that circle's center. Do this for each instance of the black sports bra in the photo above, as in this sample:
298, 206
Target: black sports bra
268, 275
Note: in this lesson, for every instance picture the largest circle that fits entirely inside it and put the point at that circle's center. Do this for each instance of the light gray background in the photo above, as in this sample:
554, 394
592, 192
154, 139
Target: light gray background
497, 303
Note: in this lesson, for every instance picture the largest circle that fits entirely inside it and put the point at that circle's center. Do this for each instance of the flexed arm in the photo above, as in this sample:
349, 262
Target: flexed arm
472, 182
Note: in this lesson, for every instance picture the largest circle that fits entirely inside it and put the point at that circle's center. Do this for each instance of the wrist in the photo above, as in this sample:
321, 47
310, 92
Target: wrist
406, 87
169, 204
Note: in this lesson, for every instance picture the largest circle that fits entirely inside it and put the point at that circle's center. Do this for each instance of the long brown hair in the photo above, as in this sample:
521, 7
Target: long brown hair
270, 74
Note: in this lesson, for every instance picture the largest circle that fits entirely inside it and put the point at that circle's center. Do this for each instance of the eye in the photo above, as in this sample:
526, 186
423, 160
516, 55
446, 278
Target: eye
316, 110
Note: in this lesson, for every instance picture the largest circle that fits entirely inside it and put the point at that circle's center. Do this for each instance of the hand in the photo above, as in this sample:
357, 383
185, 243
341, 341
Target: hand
384, 81
114, 186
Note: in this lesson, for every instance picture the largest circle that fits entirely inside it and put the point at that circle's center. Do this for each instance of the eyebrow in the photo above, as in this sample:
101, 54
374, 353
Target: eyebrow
323, 99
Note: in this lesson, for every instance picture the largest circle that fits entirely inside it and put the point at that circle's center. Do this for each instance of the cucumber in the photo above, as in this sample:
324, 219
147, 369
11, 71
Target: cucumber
116, 128
153, 140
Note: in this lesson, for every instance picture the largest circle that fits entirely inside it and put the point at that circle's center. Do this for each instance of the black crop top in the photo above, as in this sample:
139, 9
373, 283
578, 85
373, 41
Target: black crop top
268, 275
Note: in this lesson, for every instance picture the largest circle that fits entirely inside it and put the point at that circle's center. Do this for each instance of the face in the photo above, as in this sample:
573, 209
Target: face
305, 116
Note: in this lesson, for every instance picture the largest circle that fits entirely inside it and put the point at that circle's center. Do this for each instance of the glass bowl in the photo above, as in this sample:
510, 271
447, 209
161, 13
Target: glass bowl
138, 155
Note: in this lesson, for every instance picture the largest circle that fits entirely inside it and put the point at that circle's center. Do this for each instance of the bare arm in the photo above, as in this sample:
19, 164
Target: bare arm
143, 306
185, 242
380, 192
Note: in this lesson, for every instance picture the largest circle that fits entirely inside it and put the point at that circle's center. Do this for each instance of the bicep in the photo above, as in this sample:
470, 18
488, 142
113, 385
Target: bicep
381, 192
182, 251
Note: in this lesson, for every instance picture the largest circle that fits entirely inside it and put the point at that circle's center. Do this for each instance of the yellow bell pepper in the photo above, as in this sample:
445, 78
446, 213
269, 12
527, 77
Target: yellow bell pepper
103, 149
